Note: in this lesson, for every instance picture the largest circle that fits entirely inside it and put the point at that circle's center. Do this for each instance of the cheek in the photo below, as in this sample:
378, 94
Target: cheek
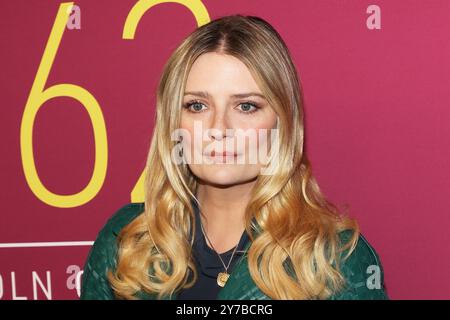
195, 127
264, 130
262, 137
186, 123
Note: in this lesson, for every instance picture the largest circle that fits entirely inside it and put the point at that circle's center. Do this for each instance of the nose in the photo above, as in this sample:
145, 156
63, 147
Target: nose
218, 130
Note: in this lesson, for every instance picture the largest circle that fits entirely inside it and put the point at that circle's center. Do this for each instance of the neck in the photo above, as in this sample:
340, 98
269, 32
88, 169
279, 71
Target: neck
223, 210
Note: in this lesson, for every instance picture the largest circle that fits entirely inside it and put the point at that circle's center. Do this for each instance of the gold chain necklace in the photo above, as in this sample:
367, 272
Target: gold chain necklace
222, 277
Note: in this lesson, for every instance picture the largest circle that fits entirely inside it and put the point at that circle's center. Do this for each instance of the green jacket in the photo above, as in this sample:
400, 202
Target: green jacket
362, 270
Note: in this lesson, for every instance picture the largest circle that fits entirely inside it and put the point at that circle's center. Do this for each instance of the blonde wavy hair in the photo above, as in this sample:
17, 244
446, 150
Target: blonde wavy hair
296, 223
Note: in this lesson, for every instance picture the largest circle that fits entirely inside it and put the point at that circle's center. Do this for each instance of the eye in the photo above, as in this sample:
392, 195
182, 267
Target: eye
194, 106
248, 107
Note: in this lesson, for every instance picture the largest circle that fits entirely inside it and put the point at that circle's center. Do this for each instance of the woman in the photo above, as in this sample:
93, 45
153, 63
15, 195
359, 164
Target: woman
215, 225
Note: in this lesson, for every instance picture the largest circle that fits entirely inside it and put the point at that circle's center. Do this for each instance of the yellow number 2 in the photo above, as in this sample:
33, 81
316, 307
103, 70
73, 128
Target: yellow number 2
197, 8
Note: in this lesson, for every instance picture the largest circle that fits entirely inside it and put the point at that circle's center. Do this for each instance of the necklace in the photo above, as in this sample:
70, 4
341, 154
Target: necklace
222, 277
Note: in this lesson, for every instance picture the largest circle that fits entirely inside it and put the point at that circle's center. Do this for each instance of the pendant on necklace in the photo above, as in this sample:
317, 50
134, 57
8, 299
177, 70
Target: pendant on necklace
222, 278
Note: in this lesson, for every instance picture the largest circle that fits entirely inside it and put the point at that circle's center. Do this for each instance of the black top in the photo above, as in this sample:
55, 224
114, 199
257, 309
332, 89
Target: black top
209, 265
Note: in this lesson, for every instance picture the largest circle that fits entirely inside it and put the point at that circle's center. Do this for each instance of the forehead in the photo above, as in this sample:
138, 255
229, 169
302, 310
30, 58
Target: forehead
219, 73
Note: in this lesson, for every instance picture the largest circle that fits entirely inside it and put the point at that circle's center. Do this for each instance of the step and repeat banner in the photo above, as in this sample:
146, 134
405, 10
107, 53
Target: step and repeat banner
78, 84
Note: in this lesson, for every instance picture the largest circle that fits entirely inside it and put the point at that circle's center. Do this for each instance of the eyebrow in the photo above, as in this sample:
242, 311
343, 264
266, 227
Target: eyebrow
205, 94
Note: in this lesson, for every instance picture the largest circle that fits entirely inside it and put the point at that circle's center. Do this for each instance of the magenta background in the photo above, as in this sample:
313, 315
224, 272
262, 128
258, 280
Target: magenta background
377, 122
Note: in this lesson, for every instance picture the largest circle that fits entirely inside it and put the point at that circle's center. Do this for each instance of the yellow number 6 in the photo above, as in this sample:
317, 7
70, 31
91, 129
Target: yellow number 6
38, 96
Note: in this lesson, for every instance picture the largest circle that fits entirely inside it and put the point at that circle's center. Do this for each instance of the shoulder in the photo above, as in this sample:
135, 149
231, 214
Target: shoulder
107, 236
102, 255
121, 218
363, 253
362, 271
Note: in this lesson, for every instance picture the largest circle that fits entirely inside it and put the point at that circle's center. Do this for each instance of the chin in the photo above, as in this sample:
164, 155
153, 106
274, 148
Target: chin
224, 175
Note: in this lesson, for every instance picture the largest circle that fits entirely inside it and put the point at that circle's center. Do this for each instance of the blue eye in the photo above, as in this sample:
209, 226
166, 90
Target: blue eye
194, 106
248, 107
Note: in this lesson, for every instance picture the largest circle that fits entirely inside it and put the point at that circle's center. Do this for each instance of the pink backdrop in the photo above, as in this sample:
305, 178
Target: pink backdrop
377, 115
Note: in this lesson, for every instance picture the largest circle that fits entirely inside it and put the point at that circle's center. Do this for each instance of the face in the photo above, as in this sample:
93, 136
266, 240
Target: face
227, 120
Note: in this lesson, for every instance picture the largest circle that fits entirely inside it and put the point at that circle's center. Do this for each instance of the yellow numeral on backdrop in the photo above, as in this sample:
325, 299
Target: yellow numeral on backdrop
201, 15
38, 96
